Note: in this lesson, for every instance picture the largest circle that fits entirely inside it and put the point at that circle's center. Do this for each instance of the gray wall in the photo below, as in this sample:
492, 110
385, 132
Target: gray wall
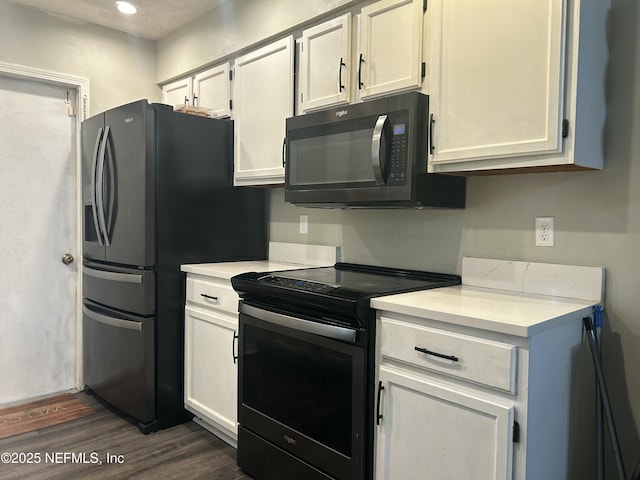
597, 223
597, 213
120, 68
232, 28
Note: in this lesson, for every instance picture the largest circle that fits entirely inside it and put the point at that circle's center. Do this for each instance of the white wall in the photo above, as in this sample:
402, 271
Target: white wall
120, 67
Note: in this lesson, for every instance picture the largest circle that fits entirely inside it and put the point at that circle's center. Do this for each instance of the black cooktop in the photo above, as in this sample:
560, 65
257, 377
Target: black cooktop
343, 289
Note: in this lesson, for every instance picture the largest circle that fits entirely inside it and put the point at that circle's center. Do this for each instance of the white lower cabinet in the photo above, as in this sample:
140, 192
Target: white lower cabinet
210, 379
460, 402
434, 431
435, 419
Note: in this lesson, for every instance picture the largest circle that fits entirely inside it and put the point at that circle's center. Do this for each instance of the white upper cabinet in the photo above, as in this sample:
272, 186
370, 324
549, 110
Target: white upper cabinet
178, 92
504, 90
263, 99
390, 47
210, 90
325, 64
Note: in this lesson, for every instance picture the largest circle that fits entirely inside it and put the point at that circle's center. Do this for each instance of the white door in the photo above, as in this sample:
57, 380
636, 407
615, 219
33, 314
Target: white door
325, 64
432, 431
178, 92
38, 215
497, 75
211, 383
390, 57
212, 90
263, 99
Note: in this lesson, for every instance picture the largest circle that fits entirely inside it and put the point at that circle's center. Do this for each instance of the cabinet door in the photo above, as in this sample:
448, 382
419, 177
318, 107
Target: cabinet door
263, 99
325, 64
178, 92
497, 78
212, 90
432, 431
390, 58
210, 380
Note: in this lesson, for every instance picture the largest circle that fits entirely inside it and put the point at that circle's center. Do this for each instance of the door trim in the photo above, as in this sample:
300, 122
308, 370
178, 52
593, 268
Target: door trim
81, 87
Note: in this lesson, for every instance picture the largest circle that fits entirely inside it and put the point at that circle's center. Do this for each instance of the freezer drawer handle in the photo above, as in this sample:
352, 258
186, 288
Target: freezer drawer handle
114, 322
115, 276
453, 358
209, 297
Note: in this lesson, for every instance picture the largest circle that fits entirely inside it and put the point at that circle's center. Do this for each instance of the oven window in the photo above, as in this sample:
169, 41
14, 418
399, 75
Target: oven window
306, 386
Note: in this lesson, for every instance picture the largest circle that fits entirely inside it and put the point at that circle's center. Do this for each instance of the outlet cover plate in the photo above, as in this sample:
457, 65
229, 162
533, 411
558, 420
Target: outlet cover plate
545, 235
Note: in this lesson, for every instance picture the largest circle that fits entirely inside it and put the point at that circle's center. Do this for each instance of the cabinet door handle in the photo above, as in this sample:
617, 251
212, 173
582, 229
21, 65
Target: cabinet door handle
233, 347
340, 84
186, 100
378, 414
360, 62
209, 297
195, 100
432, 123
453, 358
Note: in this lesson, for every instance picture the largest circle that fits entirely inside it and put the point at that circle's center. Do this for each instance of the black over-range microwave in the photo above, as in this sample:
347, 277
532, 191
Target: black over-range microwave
370, 154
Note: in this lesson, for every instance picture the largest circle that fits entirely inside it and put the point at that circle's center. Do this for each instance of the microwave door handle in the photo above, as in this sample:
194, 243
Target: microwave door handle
100, 187
376, 144
94, 189
284, 151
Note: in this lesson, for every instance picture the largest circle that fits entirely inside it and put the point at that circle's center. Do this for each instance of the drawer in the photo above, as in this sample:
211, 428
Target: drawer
212, 293
469, 358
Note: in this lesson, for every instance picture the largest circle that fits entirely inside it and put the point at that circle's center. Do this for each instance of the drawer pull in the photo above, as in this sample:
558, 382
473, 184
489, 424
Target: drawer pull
209, 297
453, 358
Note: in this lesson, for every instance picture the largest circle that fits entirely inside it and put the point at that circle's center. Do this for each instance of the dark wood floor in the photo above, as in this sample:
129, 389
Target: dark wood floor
183, 452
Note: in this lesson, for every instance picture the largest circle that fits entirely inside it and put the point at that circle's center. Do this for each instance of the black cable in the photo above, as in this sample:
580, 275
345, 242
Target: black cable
593, 345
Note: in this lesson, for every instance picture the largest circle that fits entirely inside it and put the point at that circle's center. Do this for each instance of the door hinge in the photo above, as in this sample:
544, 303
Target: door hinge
565, 128
424, 6
516, 432
423, 72
230, 104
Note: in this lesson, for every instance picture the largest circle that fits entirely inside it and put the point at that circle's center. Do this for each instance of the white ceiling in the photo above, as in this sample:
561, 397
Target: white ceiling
155, 18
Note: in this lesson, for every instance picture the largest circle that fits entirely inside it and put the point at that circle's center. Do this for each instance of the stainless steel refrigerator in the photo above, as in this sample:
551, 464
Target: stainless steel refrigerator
158, 192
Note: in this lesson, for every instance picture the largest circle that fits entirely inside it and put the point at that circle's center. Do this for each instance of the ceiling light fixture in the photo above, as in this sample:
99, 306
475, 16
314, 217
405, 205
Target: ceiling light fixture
126, 8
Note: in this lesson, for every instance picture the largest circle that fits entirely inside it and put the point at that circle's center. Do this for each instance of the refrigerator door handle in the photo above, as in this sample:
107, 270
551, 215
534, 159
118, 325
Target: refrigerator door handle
100, 187
113, 321
115, 276
94, 188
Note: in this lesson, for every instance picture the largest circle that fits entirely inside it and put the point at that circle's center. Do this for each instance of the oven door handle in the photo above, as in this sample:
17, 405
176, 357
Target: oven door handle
330, 331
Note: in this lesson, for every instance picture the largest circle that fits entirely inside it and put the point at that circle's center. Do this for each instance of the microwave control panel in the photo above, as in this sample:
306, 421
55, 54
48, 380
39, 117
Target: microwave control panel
399, 154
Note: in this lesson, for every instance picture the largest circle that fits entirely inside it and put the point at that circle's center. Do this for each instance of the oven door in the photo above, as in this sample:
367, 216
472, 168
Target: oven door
301, 396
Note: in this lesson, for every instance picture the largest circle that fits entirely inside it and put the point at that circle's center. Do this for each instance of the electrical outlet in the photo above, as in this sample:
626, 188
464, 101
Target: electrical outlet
545, 232
304, 224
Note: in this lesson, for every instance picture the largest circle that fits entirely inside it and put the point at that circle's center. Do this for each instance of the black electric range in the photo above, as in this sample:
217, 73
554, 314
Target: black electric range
343, 290
306, 368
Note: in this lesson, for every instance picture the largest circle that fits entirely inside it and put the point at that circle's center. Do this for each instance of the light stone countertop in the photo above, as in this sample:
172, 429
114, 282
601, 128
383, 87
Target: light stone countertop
226, 270
513, 313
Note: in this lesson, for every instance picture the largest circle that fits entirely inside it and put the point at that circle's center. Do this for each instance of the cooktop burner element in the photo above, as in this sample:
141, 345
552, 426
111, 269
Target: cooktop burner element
343, 289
